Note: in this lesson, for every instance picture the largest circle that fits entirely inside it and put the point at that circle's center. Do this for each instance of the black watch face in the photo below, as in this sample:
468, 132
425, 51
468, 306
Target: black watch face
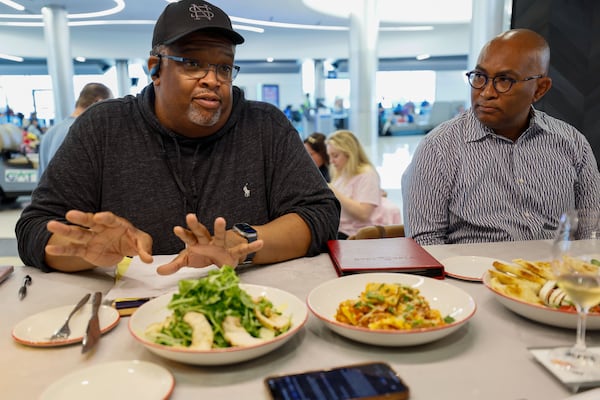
245, 228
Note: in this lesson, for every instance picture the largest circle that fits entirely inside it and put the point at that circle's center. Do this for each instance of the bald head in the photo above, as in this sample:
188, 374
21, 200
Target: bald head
520, 56
532, 47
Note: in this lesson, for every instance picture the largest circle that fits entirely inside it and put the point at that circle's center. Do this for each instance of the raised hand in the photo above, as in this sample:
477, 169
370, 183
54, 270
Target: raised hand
203, 250
101, 239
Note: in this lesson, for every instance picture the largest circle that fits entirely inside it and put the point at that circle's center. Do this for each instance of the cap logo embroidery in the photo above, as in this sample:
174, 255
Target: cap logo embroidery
198, 12
246, 190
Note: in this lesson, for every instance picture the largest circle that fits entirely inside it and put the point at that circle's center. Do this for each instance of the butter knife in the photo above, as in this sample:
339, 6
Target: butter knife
92, 333
23, 288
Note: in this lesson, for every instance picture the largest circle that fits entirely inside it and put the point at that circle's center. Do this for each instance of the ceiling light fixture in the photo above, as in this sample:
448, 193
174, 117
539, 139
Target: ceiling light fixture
119, 6
12, 4
411, 12
422, 57
11, 58
289, 26
406, 28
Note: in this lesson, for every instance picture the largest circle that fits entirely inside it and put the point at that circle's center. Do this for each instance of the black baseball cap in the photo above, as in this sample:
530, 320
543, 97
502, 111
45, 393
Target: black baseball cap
186, 16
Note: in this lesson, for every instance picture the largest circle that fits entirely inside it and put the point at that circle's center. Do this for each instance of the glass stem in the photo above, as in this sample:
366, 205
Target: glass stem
580, 347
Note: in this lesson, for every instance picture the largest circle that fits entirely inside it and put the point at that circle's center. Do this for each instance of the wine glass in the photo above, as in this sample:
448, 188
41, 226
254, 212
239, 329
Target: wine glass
576, 260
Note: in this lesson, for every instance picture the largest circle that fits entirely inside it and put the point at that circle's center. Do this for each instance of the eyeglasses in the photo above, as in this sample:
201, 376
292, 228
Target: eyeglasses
501, 83
197, 69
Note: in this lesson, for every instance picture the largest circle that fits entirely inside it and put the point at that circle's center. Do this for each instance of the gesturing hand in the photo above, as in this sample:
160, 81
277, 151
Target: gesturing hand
101, 239
203, 250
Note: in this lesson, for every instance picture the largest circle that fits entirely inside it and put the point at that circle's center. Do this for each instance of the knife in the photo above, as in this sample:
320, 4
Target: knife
23, 288
92, 333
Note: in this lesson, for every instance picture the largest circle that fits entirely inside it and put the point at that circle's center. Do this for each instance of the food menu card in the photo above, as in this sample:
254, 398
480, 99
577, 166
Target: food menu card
400, 254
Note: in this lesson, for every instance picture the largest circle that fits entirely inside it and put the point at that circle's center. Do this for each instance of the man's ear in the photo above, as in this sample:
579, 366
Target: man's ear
154, 66
543, 85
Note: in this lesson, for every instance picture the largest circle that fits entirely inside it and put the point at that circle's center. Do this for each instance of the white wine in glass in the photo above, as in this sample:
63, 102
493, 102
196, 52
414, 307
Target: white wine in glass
576, 261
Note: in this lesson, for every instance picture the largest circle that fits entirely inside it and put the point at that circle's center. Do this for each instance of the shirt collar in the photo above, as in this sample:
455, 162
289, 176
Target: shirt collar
536, 125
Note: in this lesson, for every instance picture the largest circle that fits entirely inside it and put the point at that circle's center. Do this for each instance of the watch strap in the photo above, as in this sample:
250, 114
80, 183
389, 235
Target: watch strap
249, 237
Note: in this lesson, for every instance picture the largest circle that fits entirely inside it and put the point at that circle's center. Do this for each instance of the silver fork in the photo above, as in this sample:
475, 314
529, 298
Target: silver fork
64, 331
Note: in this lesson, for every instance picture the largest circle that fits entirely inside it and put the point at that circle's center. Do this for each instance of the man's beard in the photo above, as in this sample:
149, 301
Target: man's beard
203, 118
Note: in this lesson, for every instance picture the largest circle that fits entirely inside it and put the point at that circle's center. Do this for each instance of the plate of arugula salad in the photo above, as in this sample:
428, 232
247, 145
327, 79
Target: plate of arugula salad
216, 320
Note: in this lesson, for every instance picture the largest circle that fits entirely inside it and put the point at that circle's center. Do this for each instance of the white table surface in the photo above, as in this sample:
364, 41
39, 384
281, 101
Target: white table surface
485, 359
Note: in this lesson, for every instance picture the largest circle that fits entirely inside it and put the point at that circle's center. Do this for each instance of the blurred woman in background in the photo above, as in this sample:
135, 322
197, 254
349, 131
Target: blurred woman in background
316, 147
356, 184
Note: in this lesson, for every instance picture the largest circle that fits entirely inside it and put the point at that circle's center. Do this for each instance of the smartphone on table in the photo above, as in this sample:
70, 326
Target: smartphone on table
374, 381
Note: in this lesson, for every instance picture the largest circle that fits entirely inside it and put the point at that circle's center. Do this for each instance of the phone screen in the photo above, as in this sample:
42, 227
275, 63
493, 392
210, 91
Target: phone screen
350, 382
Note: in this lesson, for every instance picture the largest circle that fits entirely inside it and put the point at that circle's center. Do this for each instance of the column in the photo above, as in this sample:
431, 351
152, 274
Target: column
123, 79
309, 89
60, 62
488, 20
319, 89
362, 66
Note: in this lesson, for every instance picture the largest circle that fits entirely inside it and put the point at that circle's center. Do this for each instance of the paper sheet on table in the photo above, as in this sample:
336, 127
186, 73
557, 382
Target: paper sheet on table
569, 375
136, 279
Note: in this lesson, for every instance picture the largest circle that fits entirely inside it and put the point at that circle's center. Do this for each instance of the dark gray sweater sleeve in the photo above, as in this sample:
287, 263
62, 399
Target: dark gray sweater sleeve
304, 191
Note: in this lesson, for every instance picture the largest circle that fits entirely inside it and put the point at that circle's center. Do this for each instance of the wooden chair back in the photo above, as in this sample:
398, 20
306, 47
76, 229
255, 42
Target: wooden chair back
379, 232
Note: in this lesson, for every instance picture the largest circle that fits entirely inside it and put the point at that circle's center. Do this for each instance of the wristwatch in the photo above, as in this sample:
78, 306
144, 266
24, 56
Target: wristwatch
248, 232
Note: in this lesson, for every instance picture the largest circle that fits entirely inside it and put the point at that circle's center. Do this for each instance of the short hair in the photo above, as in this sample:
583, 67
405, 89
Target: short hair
92, 93
316, 141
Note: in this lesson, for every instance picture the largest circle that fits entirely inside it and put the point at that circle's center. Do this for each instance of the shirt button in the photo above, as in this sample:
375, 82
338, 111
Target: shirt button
527, 215
520, 181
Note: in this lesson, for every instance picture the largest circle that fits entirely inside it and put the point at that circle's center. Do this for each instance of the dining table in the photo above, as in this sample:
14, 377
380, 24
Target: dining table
487, 358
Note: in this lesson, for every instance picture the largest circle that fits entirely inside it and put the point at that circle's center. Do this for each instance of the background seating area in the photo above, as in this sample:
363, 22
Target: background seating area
440, 111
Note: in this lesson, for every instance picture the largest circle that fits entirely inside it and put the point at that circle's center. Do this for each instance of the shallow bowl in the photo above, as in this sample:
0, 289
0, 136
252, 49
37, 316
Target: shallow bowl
450, 300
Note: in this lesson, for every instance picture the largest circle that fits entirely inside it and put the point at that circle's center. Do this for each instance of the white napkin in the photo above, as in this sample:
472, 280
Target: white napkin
141, 280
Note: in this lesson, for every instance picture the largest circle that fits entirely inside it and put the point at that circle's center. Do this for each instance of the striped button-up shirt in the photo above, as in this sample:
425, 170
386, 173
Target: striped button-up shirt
466, 184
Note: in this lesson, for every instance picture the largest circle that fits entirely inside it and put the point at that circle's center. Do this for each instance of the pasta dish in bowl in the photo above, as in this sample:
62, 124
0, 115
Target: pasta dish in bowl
391, 309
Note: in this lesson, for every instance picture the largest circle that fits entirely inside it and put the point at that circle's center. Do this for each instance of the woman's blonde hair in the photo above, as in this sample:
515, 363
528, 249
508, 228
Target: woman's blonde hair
347, 143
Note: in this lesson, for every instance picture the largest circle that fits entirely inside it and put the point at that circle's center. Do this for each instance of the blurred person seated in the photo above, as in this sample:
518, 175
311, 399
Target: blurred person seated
53, 138
501, 170
356, 184
316, 147
388, 213
34, 128
408, 111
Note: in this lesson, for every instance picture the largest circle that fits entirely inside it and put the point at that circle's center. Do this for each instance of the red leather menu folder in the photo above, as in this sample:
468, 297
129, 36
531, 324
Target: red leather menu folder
383, 255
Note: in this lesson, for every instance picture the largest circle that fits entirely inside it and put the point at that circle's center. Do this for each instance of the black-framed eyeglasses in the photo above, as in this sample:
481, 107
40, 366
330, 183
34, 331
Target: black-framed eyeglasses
501, 83
197, 69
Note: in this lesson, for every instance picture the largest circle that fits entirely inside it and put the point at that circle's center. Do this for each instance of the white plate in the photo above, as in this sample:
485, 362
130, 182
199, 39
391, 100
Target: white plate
36, 330
156, 311
540, 313
116, 380
468, 268
324, 300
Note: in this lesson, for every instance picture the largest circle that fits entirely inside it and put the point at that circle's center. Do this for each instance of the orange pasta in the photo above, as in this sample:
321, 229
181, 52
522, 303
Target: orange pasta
390, 306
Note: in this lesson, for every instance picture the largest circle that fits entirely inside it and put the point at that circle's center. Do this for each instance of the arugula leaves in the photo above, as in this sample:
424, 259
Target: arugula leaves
217, 296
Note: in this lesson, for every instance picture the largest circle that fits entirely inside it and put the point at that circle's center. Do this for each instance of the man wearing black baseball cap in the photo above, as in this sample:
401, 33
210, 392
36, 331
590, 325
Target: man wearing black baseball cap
135, 171
184, 17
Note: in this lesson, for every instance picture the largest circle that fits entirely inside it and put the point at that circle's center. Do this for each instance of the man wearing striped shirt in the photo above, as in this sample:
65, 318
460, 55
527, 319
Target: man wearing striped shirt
502, 170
